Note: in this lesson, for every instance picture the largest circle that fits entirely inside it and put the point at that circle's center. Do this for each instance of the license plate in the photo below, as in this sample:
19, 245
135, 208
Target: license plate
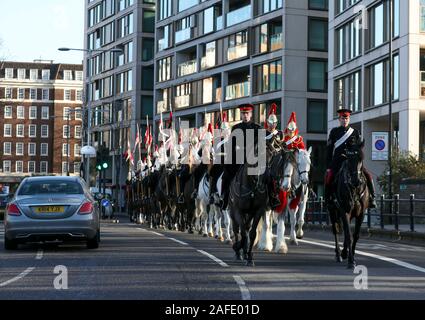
50, 209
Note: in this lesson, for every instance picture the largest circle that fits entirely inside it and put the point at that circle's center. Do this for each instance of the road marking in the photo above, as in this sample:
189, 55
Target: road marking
19, 277
220, 262
178, 241
39, 255
158, 234
246, 295
371, 255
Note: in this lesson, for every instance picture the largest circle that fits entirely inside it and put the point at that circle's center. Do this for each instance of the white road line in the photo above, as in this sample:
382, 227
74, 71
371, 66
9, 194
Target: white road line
372, 255
39, 255
158, 234
178, 241
21, 276
246, 295
221, 263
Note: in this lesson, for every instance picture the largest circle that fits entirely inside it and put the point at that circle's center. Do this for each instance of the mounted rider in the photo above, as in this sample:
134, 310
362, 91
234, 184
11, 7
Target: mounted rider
274, 138
219, 155
234, 148
293, 140
340, 140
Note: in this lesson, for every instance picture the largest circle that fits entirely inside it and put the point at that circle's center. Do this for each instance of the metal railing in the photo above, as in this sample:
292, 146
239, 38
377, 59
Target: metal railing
238, 15
237, 52
238, 90
276, 41
208, 61
182, 101
183, 35
187, 67
391, 214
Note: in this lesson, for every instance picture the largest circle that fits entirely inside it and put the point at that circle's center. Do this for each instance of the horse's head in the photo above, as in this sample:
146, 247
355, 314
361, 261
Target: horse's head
287, 164
354, 163
304, 164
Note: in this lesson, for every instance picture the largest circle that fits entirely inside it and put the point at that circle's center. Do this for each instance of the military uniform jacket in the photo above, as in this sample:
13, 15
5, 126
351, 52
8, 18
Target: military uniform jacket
335, 158
236, 146
298, 143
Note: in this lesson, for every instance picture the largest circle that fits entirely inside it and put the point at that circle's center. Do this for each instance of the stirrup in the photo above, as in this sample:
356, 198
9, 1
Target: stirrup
180, 199
372, 203
212, 200
194, 194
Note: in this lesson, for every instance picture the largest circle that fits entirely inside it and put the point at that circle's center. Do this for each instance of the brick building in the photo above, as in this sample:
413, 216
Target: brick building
36, 136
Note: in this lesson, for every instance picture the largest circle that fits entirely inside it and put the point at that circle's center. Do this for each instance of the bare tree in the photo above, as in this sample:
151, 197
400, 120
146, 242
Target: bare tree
2, 54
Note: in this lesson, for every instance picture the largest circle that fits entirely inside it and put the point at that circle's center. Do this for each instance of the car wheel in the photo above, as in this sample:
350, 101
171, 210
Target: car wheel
10, 244
94, 243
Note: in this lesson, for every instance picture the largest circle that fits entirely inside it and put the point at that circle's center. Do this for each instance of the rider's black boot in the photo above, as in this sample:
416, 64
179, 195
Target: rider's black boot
372, 198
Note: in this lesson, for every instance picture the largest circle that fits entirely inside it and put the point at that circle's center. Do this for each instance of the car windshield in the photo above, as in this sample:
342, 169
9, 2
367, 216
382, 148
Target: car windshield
50, 187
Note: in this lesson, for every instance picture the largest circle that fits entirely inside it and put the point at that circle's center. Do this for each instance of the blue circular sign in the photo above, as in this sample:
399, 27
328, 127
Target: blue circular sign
380, 145
105, 202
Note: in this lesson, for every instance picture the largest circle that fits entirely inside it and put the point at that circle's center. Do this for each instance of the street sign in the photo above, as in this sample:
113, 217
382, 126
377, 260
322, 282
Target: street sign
379, 146
105, 203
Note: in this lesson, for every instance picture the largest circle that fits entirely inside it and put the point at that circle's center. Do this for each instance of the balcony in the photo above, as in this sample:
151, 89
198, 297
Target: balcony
238, 90
183, 35
237, 52
208, 61
188, 67
423, 83
239, 15
182, 101
162, 44
276, 41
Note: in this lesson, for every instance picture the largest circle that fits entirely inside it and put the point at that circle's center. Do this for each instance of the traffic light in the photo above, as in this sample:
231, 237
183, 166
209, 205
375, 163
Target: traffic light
102, 159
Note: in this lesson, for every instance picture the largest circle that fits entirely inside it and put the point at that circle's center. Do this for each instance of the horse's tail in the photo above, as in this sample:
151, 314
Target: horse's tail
259, 231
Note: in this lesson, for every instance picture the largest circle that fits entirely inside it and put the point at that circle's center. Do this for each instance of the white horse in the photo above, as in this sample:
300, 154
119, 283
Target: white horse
295, 178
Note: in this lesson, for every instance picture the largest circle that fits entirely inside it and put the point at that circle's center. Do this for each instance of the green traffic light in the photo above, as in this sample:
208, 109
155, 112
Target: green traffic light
99, 167
105, 165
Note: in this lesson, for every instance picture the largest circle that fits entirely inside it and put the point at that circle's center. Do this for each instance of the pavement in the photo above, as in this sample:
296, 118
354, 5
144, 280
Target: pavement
137, 263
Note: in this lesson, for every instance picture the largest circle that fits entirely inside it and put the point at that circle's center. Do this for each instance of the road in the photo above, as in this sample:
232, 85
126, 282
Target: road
134, 262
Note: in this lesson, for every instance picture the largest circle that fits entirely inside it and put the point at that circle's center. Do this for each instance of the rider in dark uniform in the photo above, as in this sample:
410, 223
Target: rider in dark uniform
274, 139
335, 158
230, 170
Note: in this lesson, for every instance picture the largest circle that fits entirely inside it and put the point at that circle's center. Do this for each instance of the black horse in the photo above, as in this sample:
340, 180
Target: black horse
248, 201
350, 200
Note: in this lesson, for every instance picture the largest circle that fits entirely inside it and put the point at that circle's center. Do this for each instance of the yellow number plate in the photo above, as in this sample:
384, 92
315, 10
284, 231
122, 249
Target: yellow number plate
50, 209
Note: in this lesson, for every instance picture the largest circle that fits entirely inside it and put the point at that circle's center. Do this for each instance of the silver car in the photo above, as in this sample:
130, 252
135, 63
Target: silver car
52, 209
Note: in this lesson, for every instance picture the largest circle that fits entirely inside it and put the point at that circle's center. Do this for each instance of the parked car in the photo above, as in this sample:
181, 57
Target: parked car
52, 209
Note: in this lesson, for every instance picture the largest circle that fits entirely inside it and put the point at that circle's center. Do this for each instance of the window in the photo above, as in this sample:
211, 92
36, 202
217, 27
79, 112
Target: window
7, 167
20, 128
66, 133
77, 150
44, 149
125, 26
349, 41
318, 4
348, 92
21, 93
19, 149
45, 94
317, 75
317, 34
164, 69
21, 74
342, 5
147, 79
7, 131
126, 56
33, 112
44, 167
78, 114
422, 16
8, 93
33, 74
379, 26
45, 113
268, 77
148, 21
124, 4
64, 167
67, 75
31, 166
8, 73
186, 4
147, 49
32, 149
8, 112
77, 133
32, 131
79, 95
45, 74
77, 166
266, 6
33, 94
67, 95
7, 148
147, 105
79, 75
165, 8
65, 150
209, 20
317, 115
66, 113
19, 167
44, 131
125, 81
20, 112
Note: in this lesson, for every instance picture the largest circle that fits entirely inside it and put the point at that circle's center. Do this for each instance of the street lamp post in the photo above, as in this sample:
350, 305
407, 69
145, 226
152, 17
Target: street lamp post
89, 99
390, 105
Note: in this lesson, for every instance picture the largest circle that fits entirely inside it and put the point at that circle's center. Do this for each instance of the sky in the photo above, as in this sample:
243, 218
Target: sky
35, 29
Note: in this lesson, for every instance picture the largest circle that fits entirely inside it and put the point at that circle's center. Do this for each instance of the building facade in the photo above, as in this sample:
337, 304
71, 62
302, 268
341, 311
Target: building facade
221, 52
359, 73
36, 135
119, 84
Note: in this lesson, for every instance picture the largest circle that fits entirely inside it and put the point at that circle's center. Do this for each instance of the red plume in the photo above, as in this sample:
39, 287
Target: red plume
210, 129
273, 109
